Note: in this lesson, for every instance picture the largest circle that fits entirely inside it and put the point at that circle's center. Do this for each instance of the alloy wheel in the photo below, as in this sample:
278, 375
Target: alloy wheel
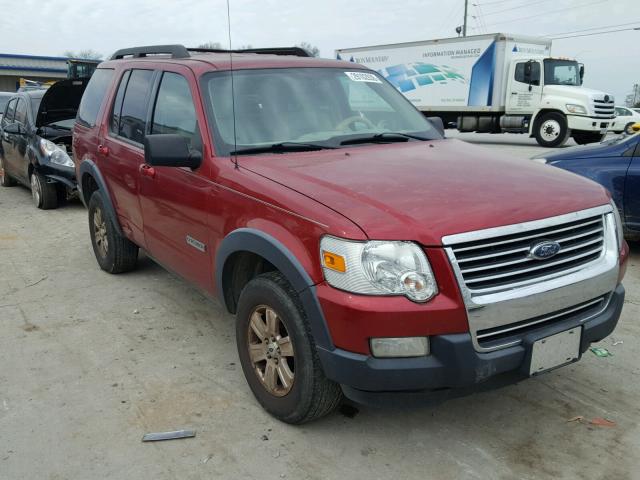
550, 130
271, 351
100, 232
36, 189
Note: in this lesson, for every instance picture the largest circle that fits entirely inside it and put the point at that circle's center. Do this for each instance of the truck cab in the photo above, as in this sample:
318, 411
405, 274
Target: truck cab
545, 96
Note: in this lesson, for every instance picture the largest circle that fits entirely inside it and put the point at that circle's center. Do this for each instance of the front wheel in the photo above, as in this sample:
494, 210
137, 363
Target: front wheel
114, 253
278, 354
552, 130
628, 128
44, 193
584, 138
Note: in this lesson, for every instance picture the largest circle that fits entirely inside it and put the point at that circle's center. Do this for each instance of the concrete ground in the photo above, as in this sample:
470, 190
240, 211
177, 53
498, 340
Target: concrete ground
89, 362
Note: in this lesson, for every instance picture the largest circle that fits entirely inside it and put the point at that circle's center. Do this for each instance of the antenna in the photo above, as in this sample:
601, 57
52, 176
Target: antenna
233, 92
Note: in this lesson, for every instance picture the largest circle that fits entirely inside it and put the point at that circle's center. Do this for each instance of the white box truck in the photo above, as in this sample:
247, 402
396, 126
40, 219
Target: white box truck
494, 83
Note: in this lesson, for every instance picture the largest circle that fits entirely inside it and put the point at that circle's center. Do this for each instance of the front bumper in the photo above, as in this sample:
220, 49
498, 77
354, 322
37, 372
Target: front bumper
454, 366
590, 124
59, 173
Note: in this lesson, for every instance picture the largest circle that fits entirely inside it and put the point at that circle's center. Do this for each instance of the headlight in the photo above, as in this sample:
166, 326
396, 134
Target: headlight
56, 154
378, 268
619, 228
578, 109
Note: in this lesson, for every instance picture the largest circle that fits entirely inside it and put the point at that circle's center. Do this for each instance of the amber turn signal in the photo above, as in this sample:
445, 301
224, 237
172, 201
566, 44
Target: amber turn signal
334, 261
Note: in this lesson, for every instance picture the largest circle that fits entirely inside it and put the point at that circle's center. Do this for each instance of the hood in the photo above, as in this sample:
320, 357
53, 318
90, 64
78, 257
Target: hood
60, 101
608, 149
579, 93
423, 191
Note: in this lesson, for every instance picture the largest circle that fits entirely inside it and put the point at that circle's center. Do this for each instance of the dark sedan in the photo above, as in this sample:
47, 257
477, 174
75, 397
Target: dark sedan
35, 141
614, 164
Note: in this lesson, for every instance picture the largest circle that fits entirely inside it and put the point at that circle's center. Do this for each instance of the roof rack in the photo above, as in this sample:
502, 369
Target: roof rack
180, 51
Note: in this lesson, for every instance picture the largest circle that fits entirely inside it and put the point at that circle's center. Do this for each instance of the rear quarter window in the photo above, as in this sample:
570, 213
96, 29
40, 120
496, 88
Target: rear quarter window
133, 115
94, 96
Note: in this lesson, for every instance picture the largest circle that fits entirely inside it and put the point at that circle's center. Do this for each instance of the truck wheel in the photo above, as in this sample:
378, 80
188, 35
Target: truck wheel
44, 194
115, 253
5, 179
552, 130
584, 138
278, 354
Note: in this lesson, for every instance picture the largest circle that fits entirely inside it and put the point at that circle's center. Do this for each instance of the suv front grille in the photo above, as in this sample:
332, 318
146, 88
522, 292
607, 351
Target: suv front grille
604, 109
505, 261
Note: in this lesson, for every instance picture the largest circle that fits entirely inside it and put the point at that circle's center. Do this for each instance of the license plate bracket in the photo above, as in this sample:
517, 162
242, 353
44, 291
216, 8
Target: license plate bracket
555, 351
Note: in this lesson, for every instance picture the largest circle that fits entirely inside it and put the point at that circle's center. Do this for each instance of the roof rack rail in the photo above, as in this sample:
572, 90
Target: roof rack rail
180, 51
176, 51
294, 51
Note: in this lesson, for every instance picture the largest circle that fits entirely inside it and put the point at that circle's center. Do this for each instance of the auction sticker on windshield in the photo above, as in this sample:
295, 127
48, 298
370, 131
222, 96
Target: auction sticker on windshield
363, 77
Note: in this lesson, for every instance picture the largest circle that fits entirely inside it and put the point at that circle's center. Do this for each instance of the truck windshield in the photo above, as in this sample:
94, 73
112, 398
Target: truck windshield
322, 107
561, 72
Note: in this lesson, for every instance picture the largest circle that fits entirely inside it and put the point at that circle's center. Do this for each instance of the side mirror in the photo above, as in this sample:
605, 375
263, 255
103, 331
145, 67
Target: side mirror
581, 73
170, 150
437, 124
15, 129
527, 71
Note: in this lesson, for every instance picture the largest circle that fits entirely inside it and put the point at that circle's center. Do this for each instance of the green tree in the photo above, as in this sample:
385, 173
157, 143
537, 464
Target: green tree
86, 54
312, 49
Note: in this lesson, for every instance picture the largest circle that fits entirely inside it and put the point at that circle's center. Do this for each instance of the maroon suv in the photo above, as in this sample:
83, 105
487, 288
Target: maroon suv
361, 252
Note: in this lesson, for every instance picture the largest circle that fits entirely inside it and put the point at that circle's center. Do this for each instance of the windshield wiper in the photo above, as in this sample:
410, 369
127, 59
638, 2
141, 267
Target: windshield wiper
383, 137
282, 147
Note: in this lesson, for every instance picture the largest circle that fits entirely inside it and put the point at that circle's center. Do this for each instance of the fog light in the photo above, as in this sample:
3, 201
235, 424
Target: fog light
400, 347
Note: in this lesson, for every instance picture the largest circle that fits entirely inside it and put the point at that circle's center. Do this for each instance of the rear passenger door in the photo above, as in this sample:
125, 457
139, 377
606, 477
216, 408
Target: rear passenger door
7, 139
122, 152
175, 201
18, 159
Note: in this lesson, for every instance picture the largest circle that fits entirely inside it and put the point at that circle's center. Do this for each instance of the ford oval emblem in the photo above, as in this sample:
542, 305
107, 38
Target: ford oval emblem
544, 250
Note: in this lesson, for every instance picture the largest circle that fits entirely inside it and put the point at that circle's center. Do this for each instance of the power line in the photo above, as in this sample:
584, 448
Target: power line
515, 8
593, 28
547, 13
497, 1
596, 33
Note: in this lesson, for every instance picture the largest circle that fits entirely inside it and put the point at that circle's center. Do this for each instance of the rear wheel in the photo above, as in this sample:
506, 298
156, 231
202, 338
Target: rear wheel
583, 138
5, 179
114, 253
44, 193
552, 130
628, 128
278, 354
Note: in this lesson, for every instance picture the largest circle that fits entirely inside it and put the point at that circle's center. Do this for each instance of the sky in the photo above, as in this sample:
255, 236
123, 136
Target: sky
52, 27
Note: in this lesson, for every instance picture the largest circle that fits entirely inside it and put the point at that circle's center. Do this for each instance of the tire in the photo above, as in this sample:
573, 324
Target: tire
552, 130
627, 128
584, 138
114, 253
299, 392
5, 179
44, 193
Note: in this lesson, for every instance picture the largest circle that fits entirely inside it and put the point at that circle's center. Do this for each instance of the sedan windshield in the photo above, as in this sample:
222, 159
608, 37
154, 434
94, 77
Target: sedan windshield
561, 72
293, 109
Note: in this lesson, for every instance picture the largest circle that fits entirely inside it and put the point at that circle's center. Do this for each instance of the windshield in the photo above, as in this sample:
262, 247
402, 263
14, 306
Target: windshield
561, 72
319, 106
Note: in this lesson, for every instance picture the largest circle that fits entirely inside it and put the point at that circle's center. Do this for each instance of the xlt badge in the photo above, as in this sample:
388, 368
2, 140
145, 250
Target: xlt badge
196, 244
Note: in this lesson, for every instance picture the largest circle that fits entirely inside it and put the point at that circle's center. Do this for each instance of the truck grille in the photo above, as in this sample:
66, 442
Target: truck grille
504, 261
604, 108
513, 333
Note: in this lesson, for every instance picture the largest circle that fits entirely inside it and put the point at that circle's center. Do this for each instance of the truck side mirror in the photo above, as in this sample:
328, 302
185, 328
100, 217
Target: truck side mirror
170, 150
527, 72
437, 124
581, 73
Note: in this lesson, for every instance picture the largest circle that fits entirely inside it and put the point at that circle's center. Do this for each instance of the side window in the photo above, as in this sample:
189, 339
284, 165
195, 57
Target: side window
174, 110
133, 115
535, 73
117, 104
9, 112
93, 96
21, 112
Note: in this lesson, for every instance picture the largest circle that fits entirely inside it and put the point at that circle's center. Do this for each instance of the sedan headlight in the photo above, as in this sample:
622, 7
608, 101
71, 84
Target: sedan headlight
619, 228
577, 109
55, 154
378, 268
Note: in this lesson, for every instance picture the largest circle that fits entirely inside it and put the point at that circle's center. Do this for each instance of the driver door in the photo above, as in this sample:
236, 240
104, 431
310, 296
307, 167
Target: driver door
632, 193
525, 89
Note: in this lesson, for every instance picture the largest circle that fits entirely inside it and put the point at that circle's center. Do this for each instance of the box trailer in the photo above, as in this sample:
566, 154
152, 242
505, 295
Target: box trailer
494, 83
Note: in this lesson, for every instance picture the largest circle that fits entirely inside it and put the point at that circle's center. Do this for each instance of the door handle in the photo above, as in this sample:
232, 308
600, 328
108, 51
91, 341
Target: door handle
514, 93
147, 171
102, 150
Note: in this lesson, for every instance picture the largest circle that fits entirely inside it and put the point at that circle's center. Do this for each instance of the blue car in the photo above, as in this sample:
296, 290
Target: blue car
614, 164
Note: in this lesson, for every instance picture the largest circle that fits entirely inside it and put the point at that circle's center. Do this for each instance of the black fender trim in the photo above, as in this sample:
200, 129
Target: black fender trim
88, 167
272, 250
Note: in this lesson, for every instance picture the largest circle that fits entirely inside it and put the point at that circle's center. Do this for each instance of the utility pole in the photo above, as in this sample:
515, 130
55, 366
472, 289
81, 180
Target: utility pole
464, 25
636, 87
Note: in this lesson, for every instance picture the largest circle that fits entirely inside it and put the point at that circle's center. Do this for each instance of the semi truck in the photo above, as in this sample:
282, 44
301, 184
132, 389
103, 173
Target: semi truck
495, 83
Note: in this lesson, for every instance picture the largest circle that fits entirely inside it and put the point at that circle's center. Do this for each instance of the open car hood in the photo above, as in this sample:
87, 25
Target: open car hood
61, 101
